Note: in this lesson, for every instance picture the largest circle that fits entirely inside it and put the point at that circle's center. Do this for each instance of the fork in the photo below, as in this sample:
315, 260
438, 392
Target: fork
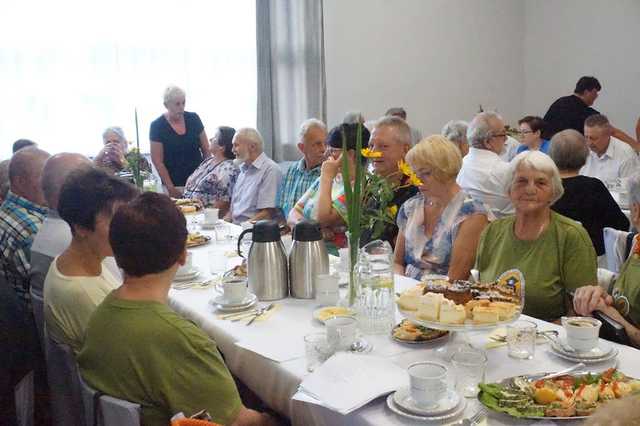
260, 313
474, 420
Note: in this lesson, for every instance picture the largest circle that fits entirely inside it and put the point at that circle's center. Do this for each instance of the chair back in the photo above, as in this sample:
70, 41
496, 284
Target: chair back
62, 375
606, 279
37, 303
615, 243
105, 410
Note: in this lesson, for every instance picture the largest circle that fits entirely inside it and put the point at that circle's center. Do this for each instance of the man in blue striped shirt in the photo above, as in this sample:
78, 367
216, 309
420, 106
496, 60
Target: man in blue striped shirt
305, 171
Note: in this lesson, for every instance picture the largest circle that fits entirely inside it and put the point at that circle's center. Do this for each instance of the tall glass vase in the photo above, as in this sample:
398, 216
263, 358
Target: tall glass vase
374, 273
353, 244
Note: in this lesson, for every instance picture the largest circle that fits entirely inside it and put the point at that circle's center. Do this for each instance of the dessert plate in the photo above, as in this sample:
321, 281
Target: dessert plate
248, 300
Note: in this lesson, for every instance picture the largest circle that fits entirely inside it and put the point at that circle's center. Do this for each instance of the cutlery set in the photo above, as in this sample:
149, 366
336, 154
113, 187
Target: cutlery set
252, 315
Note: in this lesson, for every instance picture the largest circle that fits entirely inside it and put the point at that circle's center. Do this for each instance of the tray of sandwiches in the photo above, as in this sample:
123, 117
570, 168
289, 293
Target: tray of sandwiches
464, 305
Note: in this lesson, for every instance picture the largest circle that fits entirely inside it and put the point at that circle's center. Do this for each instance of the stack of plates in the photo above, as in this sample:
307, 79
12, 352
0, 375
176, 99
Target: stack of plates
187, 275
450, 406
222, 305
605, 351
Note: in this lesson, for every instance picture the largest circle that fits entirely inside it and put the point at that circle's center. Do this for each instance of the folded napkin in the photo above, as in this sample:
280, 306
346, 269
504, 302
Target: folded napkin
276, 348
346, 382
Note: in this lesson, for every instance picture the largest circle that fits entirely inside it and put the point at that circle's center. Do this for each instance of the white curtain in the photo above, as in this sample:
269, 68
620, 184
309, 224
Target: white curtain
70, 68
291, 77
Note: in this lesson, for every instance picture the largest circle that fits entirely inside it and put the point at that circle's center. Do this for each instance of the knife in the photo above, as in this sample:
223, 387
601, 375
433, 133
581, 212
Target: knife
261, 312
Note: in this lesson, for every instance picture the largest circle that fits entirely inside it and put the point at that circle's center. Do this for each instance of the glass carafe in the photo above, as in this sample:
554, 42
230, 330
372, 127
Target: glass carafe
374, 271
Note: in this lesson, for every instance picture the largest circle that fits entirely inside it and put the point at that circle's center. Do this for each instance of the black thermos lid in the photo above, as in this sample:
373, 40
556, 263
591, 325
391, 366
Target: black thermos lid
307, 230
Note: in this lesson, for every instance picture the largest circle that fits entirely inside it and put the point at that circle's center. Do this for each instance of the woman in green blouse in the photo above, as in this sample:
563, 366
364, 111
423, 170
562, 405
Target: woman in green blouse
554, 253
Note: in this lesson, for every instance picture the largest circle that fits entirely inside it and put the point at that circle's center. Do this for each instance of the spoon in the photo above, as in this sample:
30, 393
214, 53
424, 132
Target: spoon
360, 346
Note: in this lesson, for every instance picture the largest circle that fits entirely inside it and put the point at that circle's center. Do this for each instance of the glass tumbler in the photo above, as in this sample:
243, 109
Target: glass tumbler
470, 365
521, 339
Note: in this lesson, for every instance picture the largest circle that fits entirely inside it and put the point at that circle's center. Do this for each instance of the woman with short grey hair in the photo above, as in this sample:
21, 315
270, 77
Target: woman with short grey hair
586, 199
456, 132
553, 253
178, 142
623, 305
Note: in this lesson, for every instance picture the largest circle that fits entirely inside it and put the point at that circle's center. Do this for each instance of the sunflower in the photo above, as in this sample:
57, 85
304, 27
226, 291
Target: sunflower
408, 171
393, 210
368, 153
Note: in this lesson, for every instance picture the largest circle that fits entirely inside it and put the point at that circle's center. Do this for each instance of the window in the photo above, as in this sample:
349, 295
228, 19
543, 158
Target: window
71, 69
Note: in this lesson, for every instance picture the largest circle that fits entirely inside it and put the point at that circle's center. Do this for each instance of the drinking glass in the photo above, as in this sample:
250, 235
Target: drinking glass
521, 339
316, 350
470, 366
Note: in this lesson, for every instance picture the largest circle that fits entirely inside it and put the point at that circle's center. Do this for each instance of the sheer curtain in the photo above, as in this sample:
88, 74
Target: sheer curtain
70, 69
291, 77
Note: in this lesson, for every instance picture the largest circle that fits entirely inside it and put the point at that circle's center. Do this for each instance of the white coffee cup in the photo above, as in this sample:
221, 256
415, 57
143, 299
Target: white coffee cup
211, 215
428, 382
341, 332
326, 289
188, 265
582, 332
235, 291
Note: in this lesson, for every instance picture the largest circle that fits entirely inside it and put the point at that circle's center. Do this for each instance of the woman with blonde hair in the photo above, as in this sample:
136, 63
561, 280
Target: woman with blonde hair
441, 226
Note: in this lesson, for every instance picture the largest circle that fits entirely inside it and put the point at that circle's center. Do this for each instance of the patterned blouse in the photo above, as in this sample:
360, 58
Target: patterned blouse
212, 182
431, 255
307, 205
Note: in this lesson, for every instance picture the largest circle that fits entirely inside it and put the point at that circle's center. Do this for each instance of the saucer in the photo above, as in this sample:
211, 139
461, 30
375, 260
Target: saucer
610, 351
601, 351
446, 416
402, 398
248, 300
191, 274
205, 225
233, 309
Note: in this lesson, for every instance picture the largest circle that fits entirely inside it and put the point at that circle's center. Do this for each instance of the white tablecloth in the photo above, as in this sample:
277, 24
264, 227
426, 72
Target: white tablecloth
276, 383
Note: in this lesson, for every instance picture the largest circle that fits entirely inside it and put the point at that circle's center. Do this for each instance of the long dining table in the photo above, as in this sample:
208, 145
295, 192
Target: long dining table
276, 379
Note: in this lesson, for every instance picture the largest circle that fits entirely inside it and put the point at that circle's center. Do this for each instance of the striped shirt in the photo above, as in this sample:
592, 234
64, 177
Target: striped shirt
20, 220
294, 184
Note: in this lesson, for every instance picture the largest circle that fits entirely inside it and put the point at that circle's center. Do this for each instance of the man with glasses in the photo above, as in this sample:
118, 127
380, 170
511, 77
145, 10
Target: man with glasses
483, 172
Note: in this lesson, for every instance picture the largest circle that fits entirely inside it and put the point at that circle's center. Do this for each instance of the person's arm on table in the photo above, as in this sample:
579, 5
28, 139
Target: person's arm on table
463, 252
398, 255
157, 157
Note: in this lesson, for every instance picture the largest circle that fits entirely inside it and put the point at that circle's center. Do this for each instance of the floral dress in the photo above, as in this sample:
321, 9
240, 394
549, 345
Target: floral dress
431, 255
212, 182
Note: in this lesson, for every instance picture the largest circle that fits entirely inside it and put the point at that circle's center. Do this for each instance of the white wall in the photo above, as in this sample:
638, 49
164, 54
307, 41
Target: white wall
437, 58
441, 58
567, 39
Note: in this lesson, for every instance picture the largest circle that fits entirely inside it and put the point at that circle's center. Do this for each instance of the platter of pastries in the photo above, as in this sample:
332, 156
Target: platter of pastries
463, 305
187, 205
566, 397
196, 239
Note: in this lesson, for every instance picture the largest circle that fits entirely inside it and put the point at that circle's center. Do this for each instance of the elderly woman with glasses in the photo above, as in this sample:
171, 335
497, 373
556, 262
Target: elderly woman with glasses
440, 227
623, 304
531, 128
553, 252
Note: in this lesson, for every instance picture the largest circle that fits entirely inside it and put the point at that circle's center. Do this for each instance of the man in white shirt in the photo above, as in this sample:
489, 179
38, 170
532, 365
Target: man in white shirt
254, 194
609, 158
484, 174
510, 149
